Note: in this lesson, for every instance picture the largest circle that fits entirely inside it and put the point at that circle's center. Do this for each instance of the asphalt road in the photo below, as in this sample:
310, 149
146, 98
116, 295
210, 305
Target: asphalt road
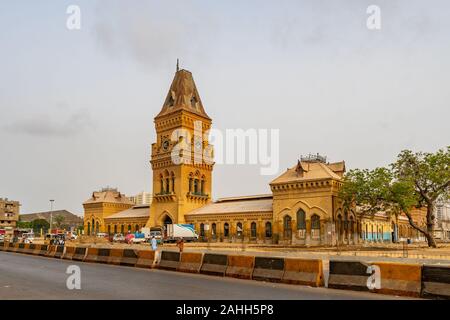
32, 277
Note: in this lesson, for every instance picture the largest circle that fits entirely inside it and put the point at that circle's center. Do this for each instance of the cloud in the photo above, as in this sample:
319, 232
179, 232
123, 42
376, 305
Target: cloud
46, 125
149, 32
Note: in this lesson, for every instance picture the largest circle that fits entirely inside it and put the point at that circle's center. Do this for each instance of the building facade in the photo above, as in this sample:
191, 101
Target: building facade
101, 205
442, 221
9, 215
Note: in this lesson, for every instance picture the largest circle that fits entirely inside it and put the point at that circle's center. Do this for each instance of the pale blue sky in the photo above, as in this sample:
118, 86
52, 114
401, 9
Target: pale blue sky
77, 107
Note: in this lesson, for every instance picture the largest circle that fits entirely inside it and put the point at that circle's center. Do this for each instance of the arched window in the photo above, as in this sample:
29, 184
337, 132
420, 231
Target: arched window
202, 185
89, 228
109, 229
136, 228
93, 226
162, 183
167, 185
202, 230
97, 227
213, 229
315, 227
226, 229
253, 230
195, 186
239, 229
115, 228
268, 230
301, 220
173, 182
287, 226
129, 228
122, 229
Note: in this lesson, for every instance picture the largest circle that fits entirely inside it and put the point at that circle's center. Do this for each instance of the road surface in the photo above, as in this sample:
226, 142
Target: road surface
32, 277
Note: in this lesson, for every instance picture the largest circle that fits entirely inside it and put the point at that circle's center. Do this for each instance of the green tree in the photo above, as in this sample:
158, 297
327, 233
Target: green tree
426, 176
59, 220
39, 224
414, 180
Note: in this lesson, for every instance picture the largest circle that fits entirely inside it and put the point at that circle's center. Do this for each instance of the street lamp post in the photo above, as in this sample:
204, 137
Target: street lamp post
51, 215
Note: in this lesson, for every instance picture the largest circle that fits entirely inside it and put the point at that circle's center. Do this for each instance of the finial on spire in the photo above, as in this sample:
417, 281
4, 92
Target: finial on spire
178, 65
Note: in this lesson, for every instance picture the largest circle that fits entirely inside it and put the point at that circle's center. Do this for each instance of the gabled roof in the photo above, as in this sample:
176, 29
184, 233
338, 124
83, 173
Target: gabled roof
108, 195
183, 95
236, 205
141, 211
311, 170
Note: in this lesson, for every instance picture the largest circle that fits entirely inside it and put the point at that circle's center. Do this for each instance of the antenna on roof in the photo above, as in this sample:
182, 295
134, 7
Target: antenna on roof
178, 65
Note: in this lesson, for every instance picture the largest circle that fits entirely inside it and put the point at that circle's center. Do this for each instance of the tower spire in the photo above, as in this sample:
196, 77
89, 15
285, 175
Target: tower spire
178, 65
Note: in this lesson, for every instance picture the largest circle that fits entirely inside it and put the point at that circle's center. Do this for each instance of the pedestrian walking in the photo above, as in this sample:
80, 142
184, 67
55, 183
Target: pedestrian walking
154, 243
180, 245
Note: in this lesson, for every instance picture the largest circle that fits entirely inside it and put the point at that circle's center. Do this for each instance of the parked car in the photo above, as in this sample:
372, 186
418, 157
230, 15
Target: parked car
102, 235
129, 238
118, 237
2, 238
28, 237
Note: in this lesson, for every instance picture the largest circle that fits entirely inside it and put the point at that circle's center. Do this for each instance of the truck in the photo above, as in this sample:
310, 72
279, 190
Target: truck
176, 232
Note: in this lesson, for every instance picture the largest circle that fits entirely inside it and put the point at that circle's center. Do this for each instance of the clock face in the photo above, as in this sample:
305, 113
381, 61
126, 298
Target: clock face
165, 144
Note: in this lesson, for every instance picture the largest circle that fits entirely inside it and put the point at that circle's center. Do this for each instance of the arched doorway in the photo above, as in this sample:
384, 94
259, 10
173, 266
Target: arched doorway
287, 227
167, 220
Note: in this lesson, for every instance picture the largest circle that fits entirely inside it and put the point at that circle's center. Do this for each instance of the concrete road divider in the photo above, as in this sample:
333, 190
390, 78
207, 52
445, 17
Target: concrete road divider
129, 258
214, 264
43, 251
26, 248
103, 255
399, 279
348, 275
170, 260
68, 253
12, 247
51, 251
35, 249
240, 266
436, 282
190, 262
79, 254
59, 252
303, 272
115, 256
92, 255
146, 259
268, 269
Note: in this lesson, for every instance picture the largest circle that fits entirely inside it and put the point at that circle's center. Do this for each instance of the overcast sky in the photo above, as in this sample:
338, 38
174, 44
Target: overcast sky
77, 107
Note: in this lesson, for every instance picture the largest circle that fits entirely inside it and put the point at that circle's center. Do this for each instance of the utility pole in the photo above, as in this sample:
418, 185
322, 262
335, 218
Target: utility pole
51, 215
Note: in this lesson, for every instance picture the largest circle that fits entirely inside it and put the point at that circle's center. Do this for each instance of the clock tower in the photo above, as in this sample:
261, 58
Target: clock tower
181, 157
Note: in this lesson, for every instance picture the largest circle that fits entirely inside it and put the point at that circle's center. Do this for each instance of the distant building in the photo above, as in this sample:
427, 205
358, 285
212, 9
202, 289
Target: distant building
9, 215
101, 205
69, 220
442, 221
143, 198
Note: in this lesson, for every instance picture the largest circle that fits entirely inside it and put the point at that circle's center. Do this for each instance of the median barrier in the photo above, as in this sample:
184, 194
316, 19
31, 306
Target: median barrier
268, 269
35, 249
115, 256
146, 259
11, 247
103, 255
399, 279
25, 248
214, 264
4, 246
170, 260
92, 255
240, 266
51, 251
348, 275
436, 282
68, 253
59, 251
79, 254
303, 272
190, 262
43, 251
129, 258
